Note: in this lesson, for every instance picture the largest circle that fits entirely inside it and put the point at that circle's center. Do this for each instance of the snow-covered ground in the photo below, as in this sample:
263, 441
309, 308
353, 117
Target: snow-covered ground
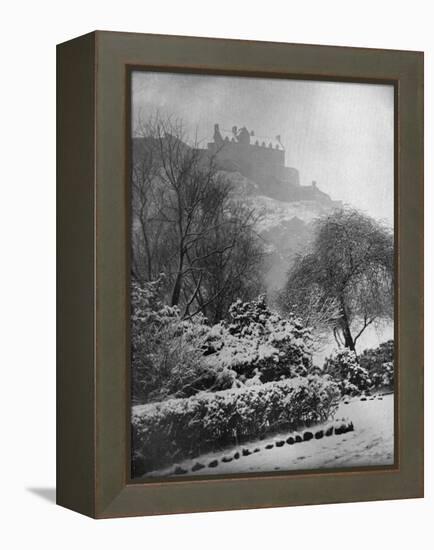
371, 338
370, 444
274, 212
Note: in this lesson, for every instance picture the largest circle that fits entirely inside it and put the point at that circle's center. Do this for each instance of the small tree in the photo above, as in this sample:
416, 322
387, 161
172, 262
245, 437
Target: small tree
350, 270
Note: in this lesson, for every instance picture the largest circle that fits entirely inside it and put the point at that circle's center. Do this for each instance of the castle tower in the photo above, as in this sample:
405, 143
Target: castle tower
218, 139
244, 136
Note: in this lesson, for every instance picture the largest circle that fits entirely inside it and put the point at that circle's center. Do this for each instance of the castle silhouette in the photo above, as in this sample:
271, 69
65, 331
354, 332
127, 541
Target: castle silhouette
262, 160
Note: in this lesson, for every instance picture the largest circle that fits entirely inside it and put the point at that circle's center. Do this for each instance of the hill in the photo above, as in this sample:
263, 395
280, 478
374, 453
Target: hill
286, 227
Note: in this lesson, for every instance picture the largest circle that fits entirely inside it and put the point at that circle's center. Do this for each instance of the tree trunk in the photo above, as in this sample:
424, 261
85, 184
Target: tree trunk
345, 327
176, 291
218, 312
349, 342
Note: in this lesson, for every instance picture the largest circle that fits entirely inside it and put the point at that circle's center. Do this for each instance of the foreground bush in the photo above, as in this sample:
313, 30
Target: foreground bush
179, 428
167, 352
258, 345
344, 368
379, 364
173, 357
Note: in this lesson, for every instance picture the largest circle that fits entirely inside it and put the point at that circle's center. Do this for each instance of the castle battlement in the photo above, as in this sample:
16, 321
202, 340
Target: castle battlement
245, 137
258, 158
261, 159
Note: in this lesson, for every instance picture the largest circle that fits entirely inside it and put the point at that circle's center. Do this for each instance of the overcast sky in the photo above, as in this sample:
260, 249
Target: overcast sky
338, 134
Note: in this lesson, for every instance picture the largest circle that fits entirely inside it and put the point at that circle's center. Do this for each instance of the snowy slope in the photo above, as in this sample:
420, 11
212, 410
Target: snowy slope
275, 212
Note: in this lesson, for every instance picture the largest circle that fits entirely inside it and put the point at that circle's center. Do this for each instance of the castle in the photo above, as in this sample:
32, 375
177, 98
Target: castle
263, 161
260, 159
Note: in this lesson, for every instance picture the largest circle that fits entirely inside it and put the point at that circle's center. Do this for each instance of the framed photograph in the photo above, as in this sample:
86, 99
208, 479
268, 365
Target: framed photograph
240, 274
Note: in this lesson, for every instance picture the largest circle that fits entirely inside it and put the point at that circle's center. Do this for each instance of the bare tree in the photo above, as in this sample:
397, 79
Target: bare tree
349, 271
312, 307
185, 221
236, 270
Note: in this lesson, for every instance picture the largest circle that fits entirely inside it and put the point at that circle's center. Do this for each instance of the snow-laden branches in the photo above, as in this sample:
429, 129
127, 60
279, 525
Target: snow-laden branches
345, 282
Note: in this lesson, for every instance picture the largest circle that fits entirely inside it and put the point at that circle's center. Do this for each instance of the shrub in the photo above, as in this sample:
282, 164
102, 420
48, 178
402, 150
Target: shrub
167, 353
172, 357
259, 345
344, 368
379, 364
178, 428
388, 375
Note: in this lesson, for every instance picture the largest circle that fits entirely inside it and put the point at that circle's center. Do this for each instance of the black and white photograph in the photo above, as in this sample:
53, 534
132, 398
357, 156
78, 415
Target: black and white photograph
262, 275
216, 275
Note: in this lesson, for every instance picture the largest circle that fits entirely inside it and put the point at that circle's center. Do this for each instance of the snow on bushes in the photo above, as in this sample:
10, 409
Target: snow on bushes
344, 368
387, 375
175, 429
172, 357
259, 345
379, 363
167, 352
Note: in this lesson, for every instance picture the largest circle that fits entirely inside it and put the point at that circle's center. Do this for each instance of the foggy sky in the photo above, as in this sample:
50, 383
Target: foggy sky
338, 134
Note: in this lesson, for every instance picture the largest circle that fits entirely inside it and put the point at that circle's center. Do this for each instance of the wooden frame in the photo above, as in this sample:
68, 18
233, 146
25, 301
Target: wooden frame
93, 253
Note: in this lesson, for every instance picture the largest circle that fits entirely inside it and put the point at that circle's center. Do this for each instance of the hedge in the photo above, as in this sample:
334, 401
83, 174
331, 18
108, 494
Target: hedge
173, 430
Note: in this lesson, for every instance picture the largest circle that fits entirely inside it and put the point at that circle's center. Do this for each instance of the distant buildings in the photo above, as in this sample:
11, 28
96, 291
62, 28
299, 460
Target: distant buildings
262, 160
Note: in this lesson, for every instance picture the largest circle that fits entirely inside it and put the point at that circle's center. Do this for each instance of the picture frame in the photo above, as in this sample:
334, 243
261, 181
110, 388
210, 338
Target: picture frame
93, 225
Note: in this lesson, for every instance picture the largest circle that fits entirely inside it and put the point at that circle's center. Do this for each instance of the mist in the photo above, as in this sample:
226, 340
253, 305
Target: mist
340, 135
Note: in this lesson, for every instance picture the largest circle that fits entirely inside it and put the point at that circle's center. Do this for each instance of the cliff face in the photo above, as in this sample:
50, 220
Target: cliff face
264, 167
